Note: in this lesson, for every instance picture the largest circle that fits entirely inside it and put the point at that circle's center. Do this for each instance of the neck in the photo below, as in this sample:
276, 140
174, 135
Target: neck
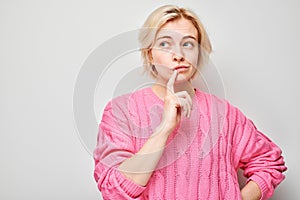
160, 89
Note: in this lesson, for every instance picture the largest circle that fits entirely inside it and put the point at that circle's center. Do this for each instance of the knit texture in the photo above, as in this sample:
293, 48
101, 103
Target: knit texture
202, 155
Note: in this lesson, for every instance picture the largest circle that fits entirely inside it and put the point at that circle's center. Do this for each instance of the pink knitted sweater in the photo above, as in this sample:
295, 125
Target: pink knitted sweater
202, 155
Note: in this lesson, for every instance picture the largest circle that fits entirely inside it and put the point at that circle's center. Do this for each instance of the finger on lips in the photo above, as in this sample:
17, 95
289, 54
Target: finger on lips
184, 98
171, 81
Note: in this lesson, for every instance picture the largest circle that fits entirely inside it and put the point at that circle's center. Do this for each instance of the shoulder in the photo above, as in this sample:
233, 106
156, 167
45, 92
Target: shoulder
222, 107
210, 102
208, 98
129, 100
127, 96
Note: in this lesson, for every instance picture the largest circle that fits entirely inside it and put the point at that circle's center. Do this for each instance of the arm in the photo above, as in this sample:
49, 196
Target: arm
113, 147
119, 171
140, 166
259, 157
122, 173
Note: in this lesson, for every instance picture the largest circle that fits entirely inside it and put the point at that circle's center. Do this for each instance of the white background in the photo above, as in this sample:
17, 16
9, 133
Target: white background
43, 45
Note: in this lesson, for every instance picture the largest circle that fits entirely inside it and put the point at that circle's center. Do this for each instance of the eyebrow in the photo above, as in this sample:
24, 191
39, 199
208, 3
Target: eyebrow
189, 36
169, 37
164, 37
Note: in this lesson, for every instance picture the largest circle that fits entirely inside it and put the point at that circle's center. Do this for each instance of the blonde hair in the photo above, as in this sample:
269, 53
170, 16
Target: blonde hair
159, 18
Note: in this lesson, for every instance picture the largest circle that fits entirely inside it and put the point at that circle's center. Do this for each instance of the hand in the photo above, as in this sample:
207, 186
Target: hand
251, 191
175, 104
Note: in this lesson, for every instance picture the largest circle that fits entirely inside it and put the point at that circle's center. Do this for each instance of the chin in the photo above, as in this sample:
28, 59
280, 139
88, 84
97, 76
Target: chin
183, 78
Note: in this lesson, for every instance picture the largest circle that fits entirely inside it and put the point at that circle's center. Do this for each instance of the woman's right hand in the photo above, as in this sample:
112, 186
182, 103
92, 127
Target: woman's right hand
175, 104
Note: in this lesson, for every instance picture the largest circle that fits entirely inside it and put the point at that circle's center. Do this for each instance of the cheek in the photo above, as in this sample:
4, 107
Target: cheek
192, 57
161, 57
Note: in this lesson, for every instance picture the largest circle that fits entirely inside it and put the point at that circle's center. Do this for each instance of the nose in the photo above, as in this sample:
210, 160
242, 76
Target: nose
178, 56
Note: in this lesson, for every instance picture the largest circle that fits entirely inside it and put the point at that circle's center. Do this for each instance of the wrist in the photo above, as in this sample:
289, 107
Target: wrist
165, 128
170, 124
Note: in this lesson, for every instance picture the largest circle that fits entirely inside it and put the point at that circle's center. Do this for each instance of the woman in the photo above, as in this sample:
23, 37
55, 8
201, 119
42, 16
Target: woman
173, 141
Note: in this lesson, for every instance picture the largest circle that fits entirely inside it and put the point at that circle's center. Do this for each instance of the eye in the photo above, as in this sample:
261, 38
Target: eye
188, 44
164, 44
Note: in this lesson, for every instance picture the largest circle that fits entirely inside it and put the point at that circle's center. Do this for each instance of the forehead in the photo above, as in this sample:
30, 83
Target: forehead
181, 27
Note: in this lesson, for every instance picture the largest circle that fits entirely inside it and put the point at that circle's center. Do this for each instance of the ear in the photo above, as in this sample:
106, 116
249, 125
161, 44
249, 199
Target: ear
149, 54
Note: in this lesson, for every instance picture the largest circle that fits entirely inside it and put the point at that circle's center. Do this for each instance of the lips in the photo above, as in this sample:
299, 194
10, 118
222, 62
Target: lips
180, 67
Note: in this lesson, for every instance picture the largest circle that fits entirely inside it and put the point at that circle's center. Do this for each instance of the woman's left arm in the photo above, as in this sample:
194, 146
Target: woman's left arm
259, 157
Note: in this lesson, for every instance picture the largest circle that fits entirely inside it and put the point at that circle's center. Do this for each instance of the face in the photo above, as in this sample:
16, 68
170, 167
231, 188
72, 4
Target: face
175, 48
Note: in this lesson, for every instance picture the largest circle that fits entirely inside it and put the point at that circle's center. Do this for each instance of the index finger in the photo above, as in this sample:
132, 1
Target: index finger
171, 81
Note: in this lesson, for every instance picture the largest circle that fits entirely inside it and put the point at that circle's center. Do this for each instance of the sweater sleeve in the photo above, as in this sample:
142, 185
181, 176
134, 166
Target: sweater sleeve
259, 157
114, 145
